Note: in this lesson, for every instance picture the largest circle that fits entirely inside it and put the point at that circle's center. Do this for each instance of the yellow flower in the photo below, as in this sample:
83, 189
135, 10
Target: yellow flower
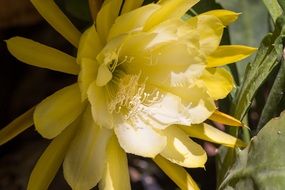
147, 80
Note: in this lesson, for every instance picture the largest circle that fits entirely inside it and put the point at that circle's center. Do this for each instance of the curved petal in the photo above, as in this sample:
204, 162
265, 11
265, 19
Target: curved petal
228, 54
90, 45
177, 173
51, 160
137, 137
210, 30
218, 81
56, 18
106, 17
227, 17
130, 5
116, 175
199, 106
209, 133
169, 9
180, 149
85, 160
87, 75
58, 111
132, 21
97, 97
17, 126
36, 54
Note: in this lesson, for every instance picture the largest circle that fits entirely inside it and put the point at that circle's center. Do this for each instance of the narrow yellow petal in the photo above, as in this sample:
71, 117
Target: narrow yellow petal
227, 17
177, 173
180, 149
58, 111
169, 9
51, 160
90, 45
87, 75
219, 82
17, 126
228, 54
116, 174
56, 18
131, 5
36, 54
84, 163
211, 134
223, 118
106, 17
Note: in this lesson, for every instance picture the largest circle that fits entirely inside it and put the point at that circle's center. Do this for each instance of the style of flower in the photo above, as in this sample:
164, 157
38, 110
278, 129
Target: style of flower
148, 78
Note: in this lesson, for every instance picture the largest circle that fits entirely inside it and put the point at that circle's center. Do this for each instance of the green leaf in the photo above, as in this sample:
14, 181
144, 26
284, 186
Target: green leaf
261, 165
268, 56
273, 8
271, 108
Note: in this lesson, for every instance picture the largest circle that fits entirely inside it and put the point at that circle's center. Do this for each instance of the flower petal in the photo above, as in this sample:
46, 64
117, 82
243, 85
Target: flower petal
58, 111
56, 18
177, 173
116, 175
225, 119
51, 160
210, 30
209, 133
199, 105
99, 104
90, 45
85, 160
169, 9
17, 126
87, 75
36, 54
106, 17
227, 17
132, 21
228, 54
180, 149
137, 137
130, 5
218, 81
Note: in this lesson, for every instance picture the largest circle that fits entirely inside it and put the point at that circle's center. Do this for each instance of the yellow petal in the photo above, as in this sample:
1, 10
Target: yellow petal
228, 54
36, 54
227, 17
177, 173
209, 133
51, 160
210, 30
169, 9
131, 5
104, 75
87, 75
56, 18
225, 119
132, 21
85, 160
98, 99
137, 137
17, 126
218, 81
116, 174
90, 45
58, 111
180, 149
106, 17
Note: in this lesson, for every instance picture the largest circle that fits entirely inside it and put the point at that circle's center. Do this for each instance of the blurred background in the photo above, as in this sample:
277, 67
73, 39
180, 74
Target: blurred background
23, 86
